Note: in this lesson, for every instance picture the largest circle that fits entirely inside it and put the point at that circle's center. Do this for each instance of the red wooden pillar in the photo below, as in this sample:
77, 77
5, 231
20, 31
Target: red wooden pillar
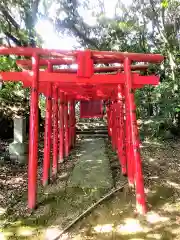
129, 153
124, 157
33, 135
139, 182
47, 136
108, 117
121, 134
55, 131
72, 123
113, 121
66, 127
110, 120
61, 127
117, 124
129, 157
47, 133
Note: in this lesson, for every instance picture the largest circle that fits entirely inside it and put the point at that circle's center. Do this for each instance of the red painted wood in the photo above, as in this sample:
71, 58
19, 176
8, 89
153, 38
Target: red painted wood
135, 148
47, 137
64, 78
113, 126
61, 127
55, 132
33, 136
44, 62
96, 55
66, 127
120, 129
72, 121
28, 51
85, 64
120, 56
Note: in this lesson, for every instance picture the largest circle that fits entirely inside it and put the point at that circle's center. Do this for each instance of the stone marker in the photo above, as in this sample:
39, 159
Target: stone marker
19, 148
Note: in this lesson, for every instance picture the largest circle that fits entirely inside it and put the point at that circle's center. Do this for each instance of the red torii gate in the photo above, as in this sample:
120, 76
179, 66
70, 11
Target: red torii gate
115, 84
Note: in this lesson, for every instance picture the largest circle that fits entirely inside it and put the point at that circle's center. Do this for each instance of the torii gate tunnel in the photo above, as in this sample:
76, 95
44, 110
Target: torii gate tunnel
65, 77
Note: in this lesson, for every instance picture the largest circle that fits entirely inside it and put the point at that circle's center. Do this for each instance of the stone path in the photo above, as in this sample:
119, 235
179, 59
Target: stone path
93, 168
90, 179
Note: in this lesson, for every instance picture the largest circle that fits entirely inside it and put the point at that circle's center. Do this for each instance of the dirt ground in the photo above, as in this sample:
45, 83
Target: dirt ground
112, 219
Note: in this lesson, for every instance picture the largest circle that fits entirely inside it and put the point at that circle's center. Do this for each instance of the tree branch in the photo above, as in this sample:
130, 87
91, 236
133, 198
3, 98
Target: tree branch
83, 37
157, 23
73, 20
15, 40
9, 17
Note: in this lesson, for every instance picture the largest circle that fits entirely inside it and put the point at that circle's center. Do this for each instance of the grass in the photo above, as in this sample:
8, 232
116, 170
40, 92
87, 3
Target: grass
114, 218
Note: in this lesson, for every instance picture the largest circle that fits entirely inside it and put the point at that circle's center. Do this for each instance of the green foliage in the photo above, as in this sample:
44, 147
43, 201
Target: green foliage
11, 91
164, 3
17, 22
143, 26
7, 63
42, 105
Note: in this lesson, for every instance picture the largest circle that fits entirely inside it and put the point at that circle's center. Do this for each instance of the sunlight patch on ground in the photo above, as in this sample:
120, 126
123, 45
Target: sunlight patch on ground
173, 184
17, 230
25, 231
6, 235
104, 228
137, 239
2, 237
153, 218
154, 177
171, 207
131, 226
2, 211
154, 236
147, 141
79, 154
151, 159
52, 232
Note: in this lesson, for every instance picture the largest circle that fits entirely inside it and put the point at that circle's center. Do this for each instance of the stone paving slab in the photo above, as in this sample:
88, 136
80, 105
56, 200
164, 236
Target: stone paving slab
93, 168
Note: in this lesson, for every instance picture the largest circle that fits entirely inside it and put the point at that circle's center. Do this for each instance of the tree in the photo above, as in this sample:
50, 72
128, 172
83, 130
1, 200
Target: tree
143, 26
17, 22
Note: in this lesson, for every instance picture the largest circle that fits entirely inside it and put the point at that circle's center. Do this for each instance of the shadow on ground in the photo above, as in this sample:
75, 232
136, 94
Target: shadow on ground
112, 219
58, 204
115, 218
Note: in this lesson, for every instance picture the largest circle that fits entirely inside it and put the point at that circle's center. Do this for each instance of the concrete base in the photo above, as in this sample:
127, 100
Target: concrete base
18, 148
18, 152
21, 159
4, 157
